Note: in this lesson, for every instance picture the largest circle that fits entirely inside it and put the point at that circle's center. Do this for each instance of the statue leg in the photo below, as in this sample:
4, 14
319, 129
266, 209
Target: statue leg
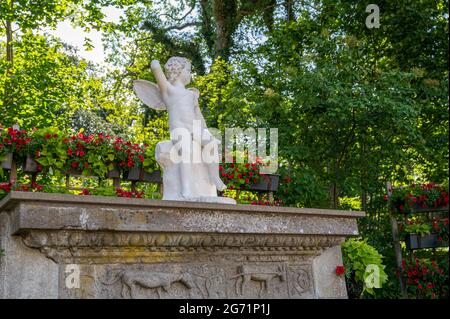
213, 169
171, 171
213, 164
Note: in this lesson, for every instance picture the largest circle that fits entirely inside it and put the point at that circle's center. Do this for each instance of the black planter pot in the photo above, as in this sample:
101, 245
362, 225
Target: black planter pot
30, 165
137, 174
267, 183
417, 209
134, 174
75, 172
114, 173
7, 161
416, 241
153, 177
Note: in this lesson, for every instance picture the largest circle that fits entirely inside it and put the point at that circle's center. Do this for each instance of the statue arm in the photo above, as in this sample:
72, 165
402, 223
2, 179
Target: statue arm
206, 134
159, 75
199, 116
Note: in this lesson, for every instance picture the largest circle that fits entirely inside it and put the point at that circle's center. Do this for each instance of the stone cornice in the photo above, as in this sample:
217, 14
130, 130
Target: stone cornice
15, 197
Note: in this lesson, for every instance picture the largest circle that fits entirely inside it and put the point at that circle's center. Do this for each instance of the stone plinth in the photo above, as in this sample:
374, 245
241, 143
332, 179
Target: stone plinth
67, 246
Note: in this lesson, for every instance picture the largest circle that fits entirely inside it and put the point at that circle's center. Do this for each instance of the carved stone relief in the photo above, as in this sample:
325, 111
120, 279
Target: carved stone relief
199, 281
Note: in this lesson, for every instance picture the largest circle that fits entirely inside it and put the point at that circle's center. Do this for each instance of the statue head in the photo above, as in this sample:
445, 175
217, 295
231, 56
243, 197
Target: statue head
178, 68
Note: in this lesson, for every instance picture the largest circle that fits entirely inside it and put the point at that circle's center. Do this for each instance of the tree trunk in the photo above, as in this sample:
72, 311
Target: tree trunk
334, 200
9, 38
9, 49
364, 200
207, 26
225, 13
289, 9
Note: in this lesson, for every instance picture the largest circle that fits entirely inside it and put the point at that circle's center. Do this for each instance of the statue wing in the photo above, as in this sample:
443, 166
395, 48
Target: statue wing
149, 94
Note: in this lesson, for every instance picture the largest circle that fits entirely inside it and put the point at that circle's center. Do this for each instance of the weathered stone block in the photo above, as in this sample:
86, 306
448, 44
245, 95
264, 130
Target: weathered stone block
66, 246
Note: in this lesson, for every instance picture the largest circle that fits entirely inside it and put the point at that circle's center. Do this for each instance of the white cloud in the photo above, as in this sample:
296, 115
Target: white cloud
76, 36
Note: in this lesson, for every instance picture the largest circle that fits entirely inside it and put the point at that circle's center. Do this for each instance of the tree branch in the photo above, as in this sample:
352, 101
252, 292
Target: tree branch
183, 17
183, 26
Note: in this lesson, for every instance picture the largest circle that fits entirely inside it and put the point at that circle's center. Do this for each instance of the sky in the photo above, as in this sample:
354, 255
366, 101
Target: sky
75, 36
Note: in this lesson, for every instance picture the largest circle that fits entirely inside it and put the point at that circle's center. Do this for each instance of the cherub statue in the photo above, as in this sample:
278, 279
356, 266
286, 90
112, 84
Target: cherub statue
185, 181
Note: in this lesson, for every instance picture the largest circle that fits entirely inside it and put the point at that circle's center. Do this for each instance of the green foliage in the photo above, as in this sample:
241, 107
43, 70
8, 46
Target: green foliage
350, 203
48, 148
301, 188
358, 258
421, 229
44, 86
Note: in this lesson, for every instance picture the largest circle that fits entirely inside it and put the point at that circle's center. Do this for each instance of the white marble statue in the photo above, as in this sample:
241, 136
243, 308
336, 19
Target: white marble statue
191, 180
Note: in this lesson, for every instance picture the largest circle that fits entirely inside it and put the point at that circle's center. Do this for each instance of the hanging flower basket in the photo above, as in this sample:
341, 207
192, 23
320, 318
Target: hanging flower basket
267, 183
416, 241
419, 198
7, 161
30, 165
114, 172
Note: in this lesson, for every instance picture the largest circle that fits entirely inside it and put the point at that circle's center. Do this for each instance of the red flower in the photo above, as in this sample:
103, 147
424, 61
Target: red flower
47, 136
419, 286
430, 285
247, 181
340, 270
385, 197
85, 192
38, 154
70, 152
74, 165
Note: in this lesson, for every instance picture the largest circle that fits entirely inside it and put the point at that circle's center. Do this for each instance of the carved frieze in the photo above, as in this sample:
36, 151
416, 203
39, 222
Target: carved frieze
199, 281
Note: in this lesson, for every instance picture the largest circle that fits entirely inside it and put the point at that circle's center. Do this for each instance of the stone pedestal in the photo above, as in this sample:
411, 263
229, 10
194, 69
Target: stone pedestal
66, 246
